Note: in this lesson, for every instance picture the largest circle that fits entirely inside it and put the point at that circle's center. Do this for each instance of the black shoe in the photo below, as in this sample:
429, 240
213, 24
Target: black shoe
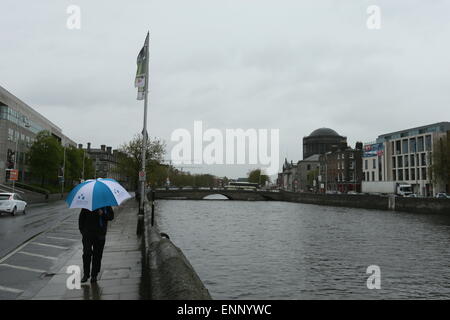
84, 279
94, 279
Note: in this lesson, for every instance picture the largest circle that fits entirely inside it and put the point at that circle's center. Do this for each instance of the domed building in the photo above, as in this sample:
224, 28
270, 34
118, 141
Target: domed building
321, 141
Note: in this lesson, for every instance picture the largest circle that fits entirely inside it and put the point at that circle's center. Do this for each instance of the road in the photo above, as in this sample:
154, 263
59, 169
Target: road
33, 245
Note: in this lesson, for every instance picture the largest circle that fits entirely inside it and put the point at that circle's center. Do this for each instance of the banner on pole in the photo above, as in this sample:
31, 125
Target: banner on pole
142, 70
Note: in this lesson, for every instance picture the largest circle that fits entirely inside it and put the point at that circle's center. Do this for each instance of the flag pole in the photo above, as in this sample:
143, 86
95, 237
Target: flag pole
144, 131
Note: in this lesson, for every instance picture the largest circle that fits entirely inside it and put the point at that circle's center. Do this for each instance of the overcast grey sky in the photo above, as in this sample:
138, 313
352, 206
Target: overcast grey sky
291, 65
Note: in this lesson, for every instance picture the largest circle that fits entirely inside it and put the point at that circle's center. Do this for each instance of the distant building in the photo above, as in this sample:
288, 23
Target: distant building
307, 173
321, 141
105, 163
19, 125
341, 170
406, 156
287, 179
302, 176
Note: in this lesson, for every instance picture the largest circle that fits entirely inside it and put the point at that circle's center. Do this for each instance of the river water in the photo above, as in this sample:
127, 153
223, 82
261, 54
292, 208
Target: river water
280, 250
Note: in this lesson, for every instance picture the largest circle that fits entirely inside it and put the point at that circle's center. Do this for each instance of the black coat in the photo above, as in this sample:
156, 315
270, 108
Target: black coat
92, 223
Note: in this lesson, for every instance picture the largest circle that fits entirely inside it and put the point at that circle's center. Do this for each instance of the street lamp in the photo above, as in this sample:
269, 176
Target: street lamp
63, 172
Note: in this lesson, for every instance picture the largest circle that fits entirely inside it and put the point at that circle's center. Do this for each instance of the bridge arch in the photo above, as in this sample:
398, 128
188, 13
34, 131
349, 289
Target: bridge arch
217, 196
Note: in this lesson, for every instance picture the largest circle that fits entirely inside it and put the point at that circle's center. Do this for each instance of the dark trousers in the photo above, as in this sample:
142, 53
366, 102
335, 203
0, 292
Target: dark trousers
93, 245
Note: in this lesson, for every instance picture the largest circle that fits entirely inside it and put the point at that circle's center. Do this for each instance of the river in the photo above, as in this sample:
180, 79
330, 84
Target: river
281, 250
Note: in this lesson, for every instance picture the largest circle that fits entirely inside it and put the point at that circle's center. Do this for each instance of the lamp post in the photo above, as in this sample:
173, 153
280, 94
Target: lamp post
82, 172
63, 172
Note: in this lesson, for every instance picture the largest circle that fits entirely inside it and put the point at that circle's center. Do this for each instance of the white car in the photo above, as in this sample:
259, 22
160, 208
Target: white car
12, 203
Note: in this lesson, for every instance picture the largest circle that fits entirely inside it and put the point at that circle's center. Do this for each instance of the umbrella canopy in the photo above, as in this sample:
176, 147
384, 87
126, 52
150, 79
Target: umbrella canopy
94, 194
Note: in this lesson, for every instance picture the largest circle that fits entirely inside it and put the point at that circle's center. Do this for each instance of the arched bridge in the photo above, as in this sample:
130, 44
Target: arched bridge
200, 194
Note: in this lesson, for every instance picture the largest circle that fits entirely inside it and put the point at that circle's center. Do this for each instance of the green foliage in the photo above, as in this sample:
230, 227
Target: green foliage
441, 160
311, 176
130, 158
258, 176
45, 157
74, 166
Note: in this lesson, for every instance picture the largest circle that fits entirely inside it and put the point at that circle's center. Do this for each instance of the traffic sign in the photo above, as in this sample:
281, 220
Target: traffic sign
141, 175
13, 175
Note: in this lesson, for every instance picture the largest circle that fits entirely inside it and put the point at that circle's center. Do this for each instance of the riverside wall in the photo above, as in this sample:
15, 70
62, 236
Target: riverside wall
167, 274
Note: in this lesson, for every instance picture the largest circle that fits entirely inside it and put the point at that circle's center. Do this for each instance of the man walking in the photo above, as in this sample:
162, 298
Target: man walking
93, 226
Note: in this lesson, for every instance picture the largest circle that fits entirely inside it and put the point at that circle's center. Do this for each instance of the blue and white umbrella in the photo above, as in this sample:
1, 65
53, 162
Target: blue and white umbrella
94, 194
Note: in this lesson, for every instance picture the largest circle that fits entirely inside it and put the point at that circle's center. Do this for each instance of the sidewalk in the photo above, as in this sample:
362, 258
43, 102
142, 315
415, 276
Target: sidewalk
120, 275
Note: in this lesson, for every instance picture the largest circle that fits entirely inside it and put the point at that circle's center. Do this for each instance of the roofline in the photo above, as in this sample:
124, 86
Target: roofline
26, 106
416, 128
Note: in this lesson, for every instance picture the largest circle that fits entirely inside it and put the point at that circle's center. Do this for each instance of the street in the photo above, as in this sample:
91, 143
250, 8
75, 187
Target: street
33, 246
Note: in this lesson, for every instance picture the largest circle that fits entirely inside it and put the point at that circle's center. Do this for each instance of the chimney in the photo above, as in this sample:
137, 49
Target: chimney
80, 146
103, 146
88, 147
109, 149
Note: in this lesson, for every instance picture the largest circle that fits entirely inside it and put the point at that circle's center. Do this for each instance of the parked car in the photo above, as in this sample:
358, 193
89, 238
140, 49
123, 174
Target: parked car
12, 203
442, 195
412, 195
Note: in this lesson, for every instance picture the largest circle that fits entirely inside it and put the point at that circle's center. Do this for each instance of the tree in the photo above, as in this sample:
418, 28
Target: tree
311, 176
130, 158
45, 157
74, 166
441, 161
258, 176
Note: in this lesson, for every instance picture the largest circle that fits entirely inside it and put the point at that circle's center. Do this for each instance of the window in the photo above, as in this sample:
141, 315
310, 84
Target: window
424, 173
412, 160
406, 174
367, 176
394, 174
423, 160
393, 163
373, 175
400, 162
397, 147
428, 143
405, 146
366, 164
374, 163
413, 176
406, 161
10, 134
400, 175
350, 155
420, 147
412, 145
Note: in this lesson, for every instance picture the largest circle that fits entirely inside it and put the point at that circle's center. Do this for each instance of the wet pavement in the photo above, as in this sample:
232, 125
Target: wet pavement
37, 268
120, 275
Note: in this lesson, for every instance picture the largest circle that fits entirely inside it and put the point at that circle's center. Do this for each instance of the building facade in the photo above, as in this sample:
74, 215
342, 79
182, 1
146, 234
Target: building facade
321, 141
341, 170
105, 161
373, 162
19, 125
303, 175
408, 156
